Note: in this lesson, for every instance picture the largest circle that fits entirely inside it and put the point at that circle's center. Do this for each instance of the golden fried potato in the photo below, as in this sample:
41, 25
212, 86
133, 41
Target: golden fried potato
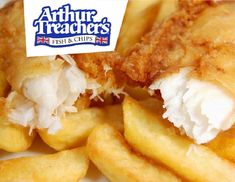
153, 104
110, 153
114, 116
76, 127
66, 166
137, 93
224, 144
138, 20
13, 138
166, 9
148, 133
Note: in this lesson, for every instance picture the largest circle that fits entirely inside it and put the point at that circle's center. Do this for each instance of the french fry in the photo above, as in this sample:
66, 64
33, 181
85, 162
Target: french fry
153, 104
13, 138
148, 133
166, 9
114, 116
110, 153
138, 20
66, 166
76, 127
137, 93
224, 144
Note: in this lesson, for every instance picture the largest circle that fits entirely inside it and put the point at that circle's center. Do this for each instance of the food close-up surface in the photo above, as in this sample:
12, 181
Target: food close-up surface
159, 108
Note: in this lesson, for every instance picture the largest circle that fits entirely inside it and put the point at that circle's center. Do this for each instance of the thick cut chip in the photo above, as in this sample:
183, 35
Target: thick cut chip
167, 8
66, 166
77, 127
224, 144
110, 153
137, 93
148, 133
13, 138
153, 104
138, 20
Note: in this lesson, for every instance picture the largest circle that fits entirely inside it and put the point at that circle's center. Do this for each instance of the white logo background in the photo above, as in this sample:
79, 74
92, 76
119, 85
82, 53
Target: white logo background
112, 9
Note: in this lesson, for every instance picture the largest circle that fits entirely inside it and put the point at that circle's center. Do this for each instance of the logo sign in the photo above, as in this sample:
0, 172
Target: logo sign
68, 26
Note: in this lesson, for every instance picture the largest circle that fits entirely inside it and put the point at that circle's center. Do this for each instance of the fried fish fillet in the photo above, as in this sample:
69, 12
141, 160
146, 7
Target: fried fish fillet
4, 86
190, 58
164, 46
44, 88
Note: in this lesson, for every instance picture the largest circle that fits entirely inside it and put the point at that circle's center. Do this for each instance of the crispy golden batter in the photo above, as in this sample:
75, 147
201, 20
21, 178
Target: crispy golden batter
4, 86
16, 65
104, 67
166, 44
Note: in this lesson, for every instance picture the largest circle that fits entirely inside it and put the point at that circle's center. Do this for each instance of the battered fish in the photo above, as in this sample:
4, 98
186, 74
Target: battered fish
44, 88
190, 58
